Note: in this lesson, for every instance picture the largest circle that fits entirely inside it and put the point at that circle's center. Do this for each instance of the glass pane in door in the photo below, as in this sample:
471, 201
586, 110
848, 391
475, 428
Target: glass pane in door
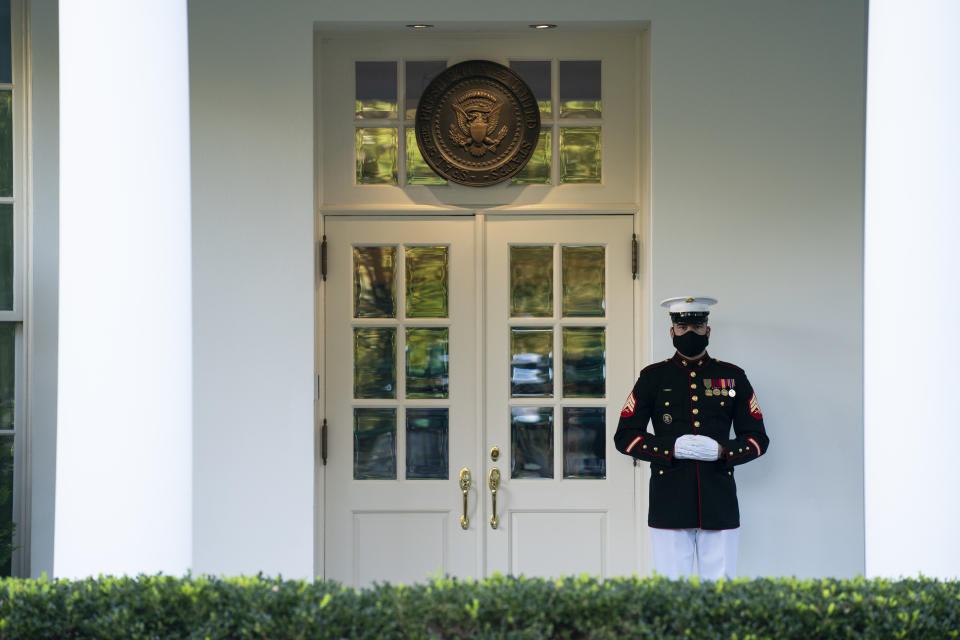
531, 281
373, 275
531, 440
583, 282
374, 362
531, 362
584, 442
427, 444
584, 355
427, 288
374, 444
428, 361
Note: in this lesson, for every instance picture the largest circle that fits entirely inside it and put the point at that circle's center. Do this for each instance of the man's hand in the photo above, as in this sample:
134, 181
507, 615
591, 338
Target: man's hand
694, 447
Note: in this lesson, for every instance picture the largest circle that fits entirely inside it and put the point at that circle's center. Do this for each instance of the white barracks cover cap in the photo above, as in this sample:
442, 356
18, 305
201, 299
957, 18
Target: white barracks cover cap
697, 305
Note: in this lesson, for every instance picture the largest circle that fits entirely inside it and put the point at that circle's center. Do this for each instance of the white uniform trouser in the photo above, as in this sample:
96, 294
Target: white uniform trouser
674, 550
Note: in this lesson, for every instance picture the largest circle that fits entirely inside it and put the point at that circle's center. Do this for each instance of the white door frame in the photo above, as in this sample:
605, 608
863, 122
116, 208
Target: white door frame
640, 206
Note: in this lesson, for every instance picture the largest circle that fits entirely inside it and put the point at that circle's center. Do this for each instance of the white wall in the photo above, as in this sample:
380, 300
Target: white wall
757, 199
757, 130
912, 435
252, 156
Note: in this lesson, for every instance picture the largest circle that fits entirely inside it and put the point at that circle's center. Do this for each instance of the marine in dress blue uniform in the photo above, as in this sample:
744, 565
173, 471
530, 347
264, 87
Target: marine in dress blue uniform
692, 400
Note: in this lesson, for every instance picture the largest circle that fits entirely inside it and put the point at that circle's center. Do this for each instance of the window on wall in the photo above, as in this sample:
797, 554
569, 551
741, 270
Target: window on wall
568, 93
11, 279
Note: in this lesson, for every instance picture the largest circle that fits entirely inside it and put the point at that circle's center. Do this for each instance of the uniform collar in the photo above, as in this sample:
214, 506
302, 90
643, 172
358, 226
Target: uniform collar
689, 364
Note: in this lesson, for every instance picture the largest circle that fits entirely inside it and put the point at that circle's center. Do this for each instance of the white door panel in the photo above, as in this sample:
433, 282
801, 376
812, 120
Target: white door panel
381, 523
552, 522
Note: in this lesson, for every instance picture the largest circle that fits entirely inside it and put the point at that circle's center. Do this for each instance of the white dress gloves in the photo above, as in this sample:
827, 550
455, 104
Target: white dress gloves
693, 447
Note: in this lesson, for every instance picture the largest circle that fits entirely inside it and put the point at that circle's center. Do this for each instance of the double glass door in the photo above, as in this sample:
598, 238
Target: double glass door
474, 368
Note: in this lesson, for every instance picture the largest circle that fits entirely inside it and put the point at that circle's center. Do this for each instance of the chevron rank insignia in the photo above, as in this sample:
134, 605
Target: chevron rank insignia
755, 407
628, 406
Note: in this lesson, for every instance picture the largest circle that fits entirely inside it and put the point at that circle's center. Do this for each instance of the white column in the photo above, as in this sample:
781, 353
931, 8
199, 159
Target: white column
123, 487
912, 299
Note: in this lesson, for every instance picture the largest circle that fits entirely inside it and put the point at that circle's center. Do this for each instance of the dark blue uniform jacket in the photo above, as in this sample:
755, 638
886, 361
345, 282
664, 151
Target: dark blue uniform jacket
704, 397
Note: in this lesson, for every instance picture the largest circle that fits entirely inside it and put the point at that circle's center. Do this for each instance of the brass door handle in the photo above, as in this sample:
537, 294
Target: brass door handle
465, 488
493, 480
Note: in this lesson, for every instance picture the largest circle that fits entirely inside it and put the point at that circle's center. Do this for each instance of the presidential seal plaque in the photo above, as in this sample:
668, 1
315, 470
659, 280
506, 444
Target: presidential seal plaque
477, 123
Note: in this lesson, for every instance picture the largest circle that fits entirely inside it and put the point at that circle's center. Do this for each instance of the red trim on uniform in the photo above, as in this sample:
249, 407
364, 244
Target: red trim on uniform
634, 443
754, 443
657, 364
658, 454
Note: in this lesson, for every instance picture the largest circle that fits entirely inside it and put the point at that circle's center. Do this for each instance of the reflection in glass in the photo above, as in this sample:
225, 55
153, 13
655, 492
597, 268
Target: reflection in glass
419, 74
374, 444
6, 68
427, 443
580, 161
374, 358
377, 155
6, 144
6, 256
531, 442
428, 363
536, 74
418, 171
583, 282
8, 362
537, 169
584, 366
427, 292
376, 90
6, 500
531, 362
580, 89
531, 281
584, 442
373, 276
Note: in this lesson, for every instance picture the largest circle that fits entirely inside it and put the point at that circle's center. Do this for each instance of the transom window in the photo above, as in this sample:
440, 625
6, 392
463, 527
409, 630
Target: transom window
587, 86
386, 148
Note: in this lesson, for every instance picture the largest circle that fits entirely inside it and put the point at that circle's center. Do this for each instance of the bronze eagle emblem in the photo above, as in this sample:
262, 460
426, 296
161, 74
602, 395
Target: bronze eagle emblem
478, 114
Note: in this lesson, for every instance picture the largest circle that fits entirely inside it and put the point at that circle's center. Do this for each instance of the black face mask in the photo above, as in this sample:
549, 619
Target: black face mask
691, 343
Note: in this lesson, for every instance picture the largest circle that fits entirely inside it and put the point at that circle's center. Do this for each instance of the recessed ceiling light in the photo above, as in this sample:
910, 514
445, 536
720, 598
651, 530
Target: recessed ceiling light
543, 26
420, 26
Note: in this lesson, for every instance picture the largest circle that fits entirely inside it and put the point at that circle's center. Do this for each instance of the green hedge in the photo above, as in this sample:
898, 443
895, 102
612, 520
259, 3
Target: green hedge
154, 607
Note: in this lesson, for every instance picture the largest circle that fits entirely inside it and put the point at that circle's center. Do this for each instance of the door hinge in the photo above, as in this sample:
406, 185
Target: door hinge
323, 442
636, 257
323, 258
